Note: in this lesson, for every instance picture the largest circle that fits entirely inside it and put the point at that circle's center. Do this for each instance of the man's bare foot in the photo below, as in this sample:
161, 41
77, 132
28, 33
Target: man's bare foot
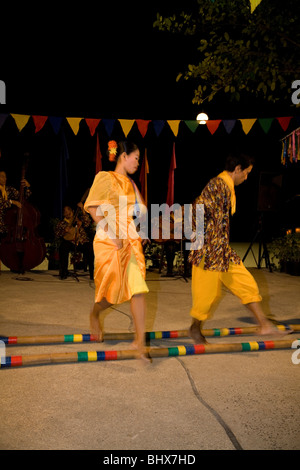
196, 334
270, 329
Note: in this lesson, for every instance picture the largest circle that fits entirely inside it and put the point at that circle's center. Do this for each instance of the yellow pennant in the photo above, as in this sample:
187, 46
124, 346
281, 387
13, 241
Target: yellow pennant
254, 4
20, 120
74, 124
174, 125
247, 124
126, 125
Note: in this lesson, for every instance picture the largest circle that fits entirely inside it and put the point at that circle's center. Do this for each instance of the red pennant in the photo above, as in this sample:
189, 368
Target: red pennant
213, 125
39, 122
284, 122
92, 125
142, 126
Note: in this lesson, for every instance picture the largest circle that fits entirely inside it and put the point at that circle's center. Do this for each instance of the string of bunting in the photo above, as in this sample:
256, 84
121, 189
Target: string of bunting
21, 120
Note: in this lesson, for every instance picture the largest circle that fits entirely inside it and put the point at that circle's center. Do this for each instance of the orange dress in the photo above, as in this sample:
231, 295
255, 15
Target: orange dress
119, 274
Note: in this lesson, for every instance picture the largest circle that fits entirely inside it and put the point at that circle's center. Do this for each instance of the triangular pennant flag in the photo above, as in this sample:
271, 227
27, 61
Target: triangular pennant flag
74, 124
284, 122
142, 126
109, 125
20, 120
192, 125
2, 119
143, 178
229, 124
213, 125
158, 126
98, 156
126, 125
265, 123
92, 125
39, 122
254, 4
174, 125
170, 194
55, 123
247, 124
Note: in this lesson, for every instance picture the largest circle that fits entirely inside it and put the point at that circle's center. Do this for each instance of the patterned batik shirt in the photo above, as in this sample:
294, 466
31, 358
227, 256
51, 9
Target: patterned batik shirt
216, 198
5, 203
82, 236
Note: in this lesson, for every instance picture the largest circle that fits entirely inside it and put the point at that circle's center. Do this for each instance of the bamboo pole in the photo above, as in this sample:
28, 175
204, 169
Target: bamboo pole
81, 338
93, 356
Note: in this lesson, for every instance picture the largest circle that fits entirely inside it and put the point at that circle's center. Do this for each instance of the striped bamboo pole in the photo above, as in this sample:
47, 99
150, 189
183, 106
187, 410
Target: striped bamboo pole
93, 356
81, 338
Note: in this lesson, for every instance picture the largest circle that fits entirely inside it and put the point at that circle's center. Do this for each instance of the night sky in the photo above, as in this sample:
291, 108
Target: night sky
105, 60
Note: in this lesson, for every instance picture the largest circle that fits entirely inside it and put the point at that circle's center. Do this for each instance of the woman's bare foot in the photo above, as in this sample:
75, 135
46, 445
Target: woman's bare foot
95, 329
133, 345
142, 352
144, 356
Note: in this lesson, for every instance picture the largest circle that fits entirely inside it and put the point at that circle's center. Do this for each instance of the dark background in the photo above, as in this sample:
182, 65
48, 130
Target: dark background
106, 61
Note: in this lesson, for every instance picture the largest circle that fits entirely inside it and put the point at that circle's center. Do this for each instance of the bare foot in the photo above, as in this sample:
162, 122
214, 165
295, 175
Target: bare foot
142, 352
133, 345
270, 329
195, 333
95, 329
144, 356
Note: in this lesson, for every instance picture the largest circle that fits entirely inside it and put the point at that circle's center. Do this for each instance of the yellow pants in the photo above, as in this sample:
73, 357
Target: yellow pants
206, 287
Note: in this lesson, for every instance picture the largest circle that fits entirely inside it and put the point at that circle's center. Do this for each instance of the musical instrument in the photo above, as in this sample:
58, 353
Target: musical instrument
22, 249
71, 234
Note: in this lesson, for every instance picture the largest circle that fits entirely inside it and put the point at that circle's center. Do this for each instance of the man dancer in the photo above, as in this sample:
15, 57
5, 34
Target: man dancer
215, 261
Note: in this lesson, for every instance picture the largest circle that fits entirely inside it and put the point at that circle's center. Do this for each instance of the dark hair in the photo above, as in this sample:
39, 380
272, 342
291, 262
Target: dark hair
127, 147
235, 159
122, 146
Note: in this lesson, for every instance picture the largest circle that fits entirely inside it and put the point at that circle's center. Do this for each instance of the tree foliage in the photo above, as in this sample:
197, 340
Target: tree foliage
237, 51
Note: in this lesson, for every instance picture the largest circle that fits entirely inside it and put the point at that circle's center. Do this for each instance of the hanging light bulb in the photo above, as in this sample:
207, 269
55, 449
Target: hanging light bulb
202, 118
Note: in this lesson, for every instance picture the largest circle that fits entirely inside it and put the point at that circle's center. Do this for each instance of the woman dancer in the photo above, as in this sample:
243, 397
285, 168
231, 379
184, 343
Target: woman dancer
119, 260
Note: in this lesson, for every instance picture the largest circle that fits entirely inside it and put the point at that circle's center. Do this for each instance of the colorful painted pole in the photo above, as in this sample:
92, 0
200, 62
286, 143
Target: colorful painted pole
81, 338
93, 356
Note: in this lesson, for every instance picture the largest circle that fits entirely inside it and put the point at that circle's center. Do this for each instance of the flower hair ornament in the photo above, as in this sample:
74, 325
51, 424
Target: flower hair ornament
112, 150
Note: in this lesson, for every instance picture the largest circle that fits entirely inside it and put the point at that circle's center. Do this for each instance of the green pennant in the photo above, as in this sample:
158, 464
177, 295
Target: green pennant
266, 123
192, 125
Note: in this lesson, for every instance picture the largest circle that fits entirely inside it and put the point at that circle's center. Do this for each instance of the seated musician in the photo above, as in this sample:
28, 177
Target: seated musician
173, 242
9, 197
72, 232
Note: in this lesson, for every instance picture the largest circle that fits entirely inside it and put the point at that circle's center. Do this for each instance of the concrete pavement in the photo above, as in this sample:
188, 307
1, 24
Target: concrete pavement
246, 400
